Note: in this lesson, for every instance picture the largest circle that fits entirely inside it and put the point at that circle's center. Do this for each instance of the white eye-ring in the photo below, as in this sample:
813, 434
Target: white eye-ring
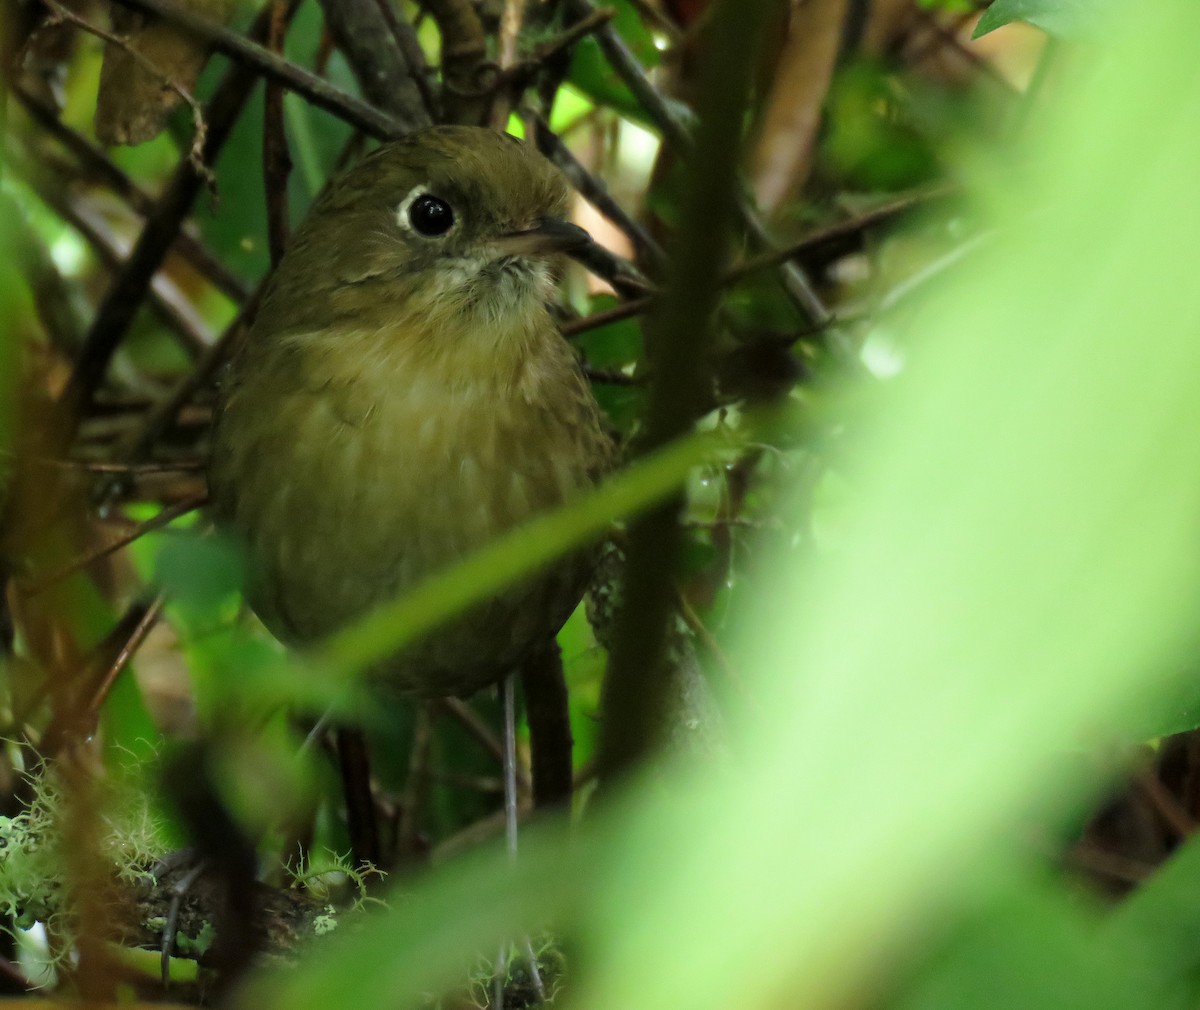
425, 213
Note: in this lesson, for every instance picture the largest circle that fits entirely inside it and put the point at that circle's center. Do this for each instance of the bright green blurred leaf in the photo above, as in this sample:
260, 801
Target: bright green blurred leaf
1017, 574
872, 139
198, 571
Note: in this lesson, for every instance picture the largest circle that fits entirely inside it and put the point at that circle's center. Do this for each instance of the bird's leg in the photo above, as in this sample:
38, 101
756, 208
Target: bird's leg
508, 692
192, 865
510, 765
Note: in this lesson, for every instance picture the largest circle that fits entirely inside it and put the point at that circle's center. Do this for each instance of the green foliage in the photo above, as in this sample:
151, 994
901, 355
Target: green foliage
873, 140
935, 590
34, 860
1065, 18
1015, 574
595, 77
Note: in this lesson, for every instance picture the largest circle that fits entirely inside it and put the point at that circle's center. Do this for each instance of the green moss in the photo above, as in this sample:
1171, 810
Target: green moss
33, 850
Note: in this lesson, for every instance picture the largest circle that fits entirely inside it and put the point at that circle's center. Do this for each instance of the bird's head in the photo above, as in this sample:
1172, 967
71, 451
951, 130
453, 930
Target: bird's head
455, 226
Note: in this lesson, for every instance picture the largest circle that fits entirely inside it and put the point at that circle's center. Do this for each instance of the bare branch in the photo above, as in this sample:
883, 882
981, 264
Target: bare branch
99, 168
165, 516
593, 189
384, 68
125, 295
468, 77
277, 162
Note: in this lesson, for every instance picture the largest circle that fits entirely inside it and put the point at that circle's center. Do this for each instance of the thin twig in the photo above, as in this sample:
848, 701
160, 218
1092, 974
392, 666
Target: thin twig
624, 310
512, 16
99, 168
510, 32
564, 40
593, 189
416, 787
125, 295
624, 277
165, 516
735, 522
468, 77
795, 282
176, 313
469, 719
1168, 807
405, 35
1090, 857
835, 235
606, 377
712, 646
516, 75
105, 466
649, 12
669, 122
164, 415
475, 783
676, 133
950, 38
277, 161
131, 645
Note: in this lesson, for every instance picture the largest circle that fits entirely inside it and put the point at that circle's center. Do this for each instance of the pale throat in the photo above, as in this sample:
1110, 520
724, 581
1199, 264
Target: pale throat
462, 337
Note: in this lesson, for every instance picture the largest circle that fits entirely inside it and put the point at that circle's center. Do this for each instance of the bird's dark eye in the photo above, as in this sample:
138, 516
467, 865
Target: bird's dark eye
430, 216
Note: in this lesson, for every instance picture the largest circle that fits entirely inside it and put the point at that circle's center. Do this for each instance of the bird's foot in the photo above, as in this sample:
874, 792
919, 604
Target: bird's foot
177, 871
517, 981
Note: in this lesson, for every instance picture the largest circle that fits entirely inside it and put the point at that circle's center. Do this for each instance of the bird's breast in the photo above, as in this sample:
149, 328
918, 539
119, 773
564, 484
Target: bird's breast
349, 488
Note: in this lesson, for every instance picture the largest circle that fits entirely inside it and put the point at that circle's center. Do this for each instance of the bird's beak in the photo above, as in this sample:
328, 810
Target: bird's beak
549, 236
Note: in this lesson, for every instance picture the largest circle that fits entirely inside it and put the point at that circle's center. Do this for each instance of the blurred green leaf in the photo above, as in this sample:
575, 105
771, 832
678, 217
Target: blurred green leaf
235, 225
1029, 947
199, 571
872, 139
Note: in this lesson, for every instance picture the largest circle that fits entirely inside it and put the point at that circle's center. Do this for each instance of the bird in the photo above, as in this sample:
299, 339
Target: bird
404, 396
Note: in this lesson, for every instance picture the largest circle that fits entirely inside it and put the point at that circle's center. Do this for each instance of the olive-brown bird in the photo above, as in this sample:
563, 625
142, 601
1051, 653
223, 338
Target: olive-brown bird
404, 396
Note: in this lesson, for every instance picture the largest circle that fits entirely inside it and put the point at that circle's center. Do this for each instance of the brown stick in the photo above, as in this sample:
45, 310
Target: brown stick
466, 94
166, 516
277, 161
625, 310
384, 68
